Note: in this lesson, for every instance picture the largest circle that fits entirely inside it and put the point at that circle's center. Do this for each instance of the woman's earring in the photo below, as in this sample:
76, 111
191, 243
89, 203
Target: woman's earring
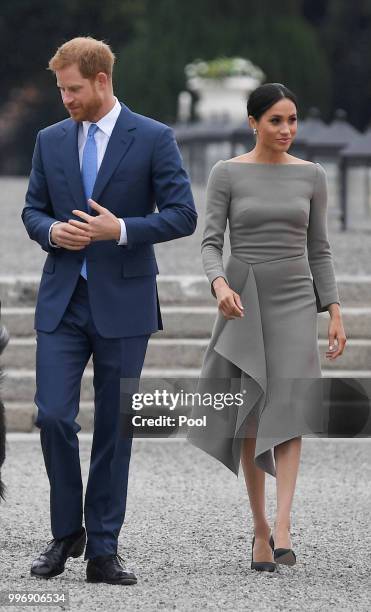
255, 131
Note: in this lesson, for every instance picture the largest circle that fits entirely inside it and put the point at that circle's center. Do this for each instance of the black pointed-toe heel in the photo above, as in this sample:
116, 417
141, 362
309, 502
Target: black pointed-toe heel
262, 566
285, 556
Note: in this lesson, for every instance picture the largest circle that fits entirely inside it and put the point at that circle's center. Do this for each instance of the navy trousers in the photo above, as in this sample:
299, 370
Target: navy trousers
61, 358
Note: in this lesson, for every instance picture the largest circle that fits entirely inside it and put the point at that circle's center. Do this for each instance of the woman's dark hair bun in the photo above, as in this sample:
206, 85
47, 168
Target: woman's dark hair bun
264, 96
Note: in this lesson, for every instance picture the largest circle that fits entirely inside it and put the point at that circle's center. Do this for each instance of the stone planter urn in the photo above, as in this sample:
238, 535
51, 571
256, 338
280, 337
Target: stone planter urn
222, 87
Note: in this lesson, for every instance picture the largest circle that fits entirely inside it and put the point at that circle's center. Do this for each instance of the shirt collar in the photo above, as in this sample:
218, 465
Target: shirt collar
106, 123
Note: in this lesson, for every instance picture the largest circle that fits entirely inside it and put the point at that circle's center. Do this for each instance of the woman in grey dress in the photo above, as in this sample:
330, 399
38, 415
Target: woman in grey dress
265, 338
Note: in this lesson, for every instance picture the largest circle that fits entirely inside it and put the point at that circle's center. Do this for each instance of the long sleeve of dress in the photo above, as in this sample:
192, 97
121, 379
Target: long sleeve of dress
217, 204
319, 251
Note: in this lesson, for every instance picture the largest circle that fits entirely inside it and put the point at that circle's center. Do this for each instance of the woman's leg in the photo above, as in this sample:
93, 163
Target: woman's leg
255, 484
287, 458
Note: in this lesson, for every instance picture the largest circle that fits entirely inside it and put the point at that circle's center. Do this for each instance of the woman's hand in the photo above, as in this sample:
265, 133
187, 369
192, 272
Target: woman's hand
229, 302
335, 332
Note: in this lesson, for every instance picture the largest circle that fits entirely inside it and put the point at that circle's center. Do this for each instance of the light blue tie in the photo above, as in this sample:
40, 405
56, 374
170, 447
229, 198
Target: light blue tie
89, 170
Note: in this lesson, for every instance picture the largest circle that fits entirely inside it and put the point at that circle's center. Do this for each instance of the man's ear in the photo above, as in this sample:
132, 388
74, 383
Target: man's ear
101, 79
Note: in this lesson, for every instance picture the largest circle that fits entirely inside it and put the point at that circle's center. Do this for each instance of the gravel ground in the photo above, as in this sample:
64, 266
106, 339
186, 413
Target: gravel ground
351, 249
188, 530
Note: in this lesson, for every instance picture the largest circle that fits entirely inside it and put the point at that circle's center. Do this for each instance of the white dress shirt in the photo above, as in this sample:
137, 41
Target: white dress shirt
102, 136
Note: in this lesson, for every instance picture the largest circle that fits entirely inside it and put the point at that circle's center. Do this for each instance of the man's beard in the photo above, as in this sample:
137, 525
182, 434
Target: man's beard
86, 112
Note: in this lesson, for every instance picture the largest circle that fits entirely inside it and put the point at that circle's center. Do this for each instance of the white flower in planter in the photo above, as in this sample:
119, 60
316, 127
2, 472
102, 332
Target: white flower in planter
223, 67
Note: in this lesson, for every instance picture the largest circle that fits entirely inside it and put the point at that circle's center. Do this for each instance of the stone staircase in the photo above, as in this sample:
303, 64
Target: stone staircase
188, 313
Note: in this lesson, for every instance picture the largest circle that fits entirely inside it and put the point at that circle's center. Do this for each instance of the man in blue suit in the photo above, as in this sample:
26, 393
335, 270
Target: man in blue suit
96, 178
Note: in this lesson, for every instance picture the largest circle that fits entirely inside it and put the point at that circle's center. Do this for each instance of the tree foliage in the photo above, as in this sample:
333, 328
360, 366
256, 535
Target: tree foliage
320, 50
346, 36
30, 32
272, 35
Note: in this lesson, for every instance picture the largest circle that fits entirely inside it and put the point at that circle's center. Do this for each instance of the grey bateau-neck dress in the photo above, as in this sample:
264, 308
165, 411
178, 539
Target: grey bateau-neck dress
281, 266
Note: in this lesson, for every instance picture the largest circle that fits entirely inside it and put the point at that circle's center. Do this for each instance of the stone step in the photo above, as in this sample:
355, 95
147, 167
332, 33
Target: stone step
189, 352
19, 384
196, 321
186, 290
20, 417
192, 290
21, 412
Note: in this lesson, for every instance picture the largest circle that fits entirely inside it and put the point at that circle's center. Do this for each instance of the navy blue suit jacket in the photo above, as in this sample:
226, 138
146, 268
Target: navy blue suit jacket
141, 168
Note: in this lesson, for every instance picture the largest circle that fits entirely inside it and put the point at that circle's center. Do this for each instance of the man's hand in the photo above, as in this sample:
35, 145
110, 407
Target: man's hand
103, 227
68, 237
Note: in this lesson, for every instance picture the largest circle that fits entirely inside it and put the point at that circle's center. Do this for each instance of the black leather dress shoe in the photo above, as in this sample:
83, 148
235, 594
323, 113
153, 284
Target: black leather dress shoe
51, 562
107, 568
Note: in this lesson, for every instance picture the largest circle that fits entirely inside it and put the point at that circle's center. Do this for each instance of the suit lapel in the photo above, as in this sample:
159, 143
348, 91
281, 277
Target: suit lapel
118, 145
71, 165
